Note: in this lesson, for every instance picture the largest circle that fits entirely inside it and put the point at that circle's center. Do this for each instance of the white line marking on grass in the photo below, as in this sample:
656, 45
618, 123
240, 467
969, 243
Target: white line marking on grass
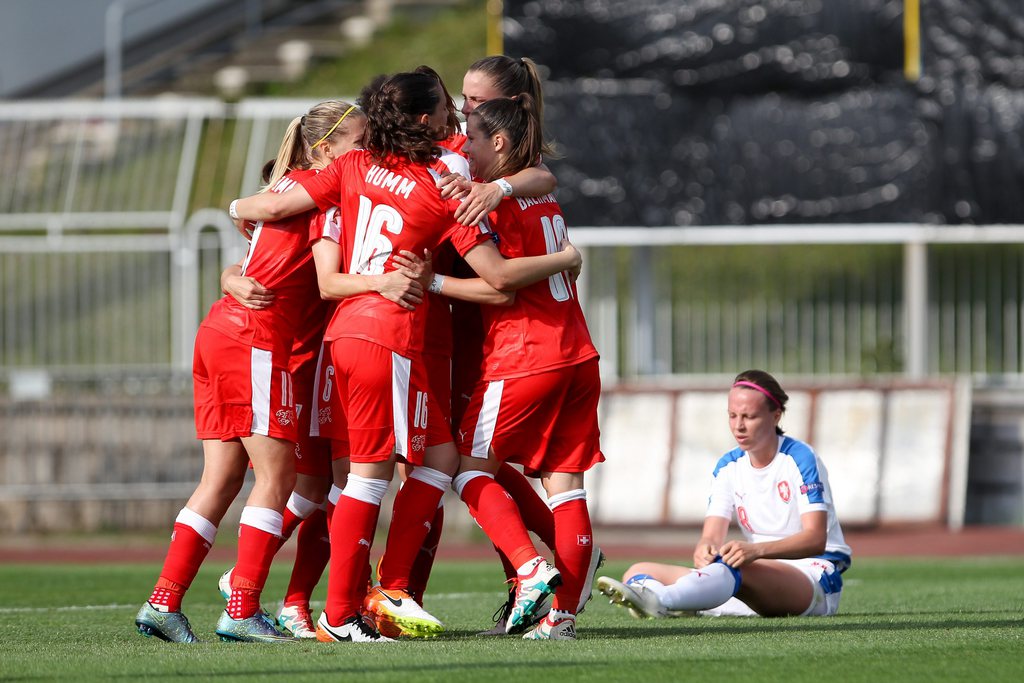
82, 608
66, 608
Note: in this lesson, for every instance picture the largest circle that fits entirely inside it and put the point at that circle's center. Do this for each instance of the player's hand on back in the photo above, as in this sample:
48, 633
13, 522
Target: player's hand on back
454, 186
248, 292
402, 290
577, 263
414, 267
481, 200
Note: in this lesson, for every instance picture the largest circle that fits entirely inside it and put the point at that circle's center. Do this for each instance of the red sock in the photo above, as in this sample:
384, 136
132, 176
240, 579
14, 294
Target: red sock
532, 507
496, 513
184, 556
351, 538
574, 544
256, 550
506, 564
330, 514
290, 522
424, 561
312, 551
415, 506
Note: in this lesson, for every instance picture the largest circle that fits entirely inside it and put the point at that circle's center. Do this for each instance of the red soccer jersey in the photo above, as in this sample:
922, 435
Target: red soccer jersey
386, 209
279, 258
544, 328
455, 142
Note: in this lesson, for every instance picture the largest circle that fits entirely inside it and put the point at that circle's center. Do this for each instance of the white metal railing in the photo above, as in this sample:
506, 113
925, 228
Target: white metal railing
96, 189
113, 232
919, 305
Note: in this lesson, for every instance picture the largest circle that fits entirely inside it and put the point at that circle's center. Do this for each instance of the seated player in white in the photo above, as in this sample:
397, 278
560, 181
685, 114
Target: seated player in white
793, 553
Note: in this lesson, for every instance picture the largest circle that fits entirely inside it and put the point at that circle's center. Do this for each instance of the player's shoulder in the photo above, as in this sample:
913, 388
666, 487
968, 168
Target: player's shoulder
353, 157
300, 173
731, 458
801, 455
448, 161
290, 179
796, 449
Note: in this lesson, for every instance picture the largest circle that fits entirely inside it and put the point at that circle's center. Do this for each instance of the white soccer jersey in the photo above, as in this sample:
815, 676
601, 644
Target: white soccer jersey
767, 502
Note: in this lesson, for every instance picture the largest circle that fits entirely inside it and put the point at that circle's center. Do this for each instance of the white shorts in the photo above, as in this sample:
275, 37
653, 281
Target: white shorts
826, 585
826, 582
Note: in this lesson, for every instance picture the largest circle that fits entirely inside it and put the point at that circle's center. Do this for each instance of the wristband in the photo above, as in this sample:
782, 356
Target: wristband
233, 210
506, 186
435, 284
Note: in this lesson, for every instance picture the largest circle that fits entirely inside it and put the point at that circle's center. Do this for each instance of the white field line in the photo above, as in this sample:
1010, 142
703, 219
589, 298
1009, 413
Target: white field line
91, 608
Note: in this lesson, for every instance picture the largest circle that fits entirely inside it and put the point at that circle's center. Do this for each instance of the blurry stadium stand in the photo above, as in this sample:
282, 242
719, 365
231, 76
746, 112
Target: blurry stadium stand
676, 112
720, 159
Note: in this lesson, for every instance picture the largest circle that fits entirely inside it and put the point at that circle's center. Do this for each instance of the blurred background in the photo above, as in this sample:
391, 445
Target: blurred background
825, 190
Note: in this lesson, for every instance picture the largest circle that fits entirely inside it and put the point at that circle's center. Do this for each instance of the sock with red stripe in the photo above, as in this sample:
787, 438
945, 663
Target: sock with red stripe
191, 541
296, 510
424, 562
496, 513
415, 507
259, 536
332, 502
312, 551
355, 520
534, 510
574, 546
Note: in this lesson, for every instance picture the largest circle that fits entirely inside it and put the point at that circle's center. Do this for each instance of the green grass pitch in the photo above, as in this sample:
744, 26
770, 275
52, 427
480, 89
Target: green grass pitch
901, 620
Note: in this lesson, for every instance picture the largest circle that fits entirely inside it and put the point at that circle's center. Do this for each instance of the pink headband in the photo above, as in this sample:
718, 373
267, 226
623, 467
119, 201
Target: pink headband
761, 389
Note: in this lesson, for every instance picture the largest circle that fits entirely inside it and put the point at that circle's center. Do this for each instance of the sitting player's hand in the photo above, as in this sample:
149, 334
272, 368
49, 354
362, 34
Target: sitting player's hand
737, 553
703, 555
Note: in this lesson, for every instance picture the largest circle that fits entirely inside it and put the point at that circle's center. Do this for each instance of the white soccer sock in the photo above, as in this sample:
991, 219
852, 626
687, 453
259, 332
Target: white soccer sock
335, 495
264, 519
700, 589
202, 526
301, 507
367, 490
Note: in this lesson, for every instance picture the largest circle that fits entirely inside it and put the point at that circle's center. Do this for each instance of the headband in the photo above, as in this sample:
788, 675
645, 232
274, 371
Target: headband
328, 133
764, 391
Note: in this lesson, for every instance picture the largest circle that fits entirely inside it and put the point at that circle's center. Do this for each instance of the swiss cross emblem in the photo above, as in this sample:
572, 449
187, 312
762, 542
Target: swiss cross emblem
784, 491
583, 539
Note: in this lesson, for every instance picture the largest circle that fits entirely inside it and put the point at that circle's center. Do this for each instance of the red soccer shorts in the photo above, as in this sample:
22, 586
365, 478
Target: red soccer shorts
545, 422
381, 396
439, 405
239, 390
312, 454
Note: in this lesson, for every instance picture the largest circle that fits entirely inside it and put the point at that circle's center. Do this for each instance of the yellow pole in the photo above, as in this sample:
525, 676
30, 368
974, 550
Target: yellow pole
495, 37
912, 39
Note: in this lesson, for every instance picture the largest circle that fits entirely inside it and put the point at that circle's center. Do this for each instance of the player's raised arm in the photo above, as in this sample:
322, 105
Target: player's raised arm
272, 206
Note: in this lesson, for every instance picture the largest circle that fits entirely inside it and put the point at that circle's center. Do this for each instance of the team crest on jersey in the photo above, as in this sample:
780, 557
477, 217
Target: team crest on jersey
418, 443
784, 492
324, 415
285, 416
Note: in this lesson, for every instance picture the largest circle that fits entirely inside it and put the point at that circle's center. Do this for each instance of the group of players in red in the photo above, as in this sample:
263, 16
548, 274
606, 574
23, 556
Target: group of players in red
392, 311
